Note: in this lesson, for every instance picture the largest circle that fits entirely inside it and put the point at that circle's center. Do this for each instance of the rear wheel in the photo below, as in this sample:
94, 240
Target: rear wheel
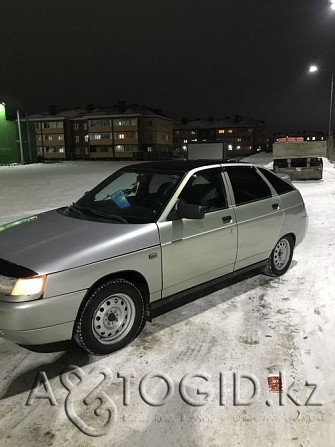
112, 316
281, 257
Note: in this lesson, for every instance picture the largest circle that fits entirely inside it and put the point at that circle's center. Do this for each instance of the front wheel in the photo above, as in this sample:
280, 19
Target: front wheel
281, 257
112, 316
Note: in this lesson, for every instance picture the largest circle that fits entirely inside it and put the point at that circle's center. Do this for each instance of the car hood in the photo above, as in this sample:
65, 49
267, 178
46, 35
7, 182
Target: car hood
51, 242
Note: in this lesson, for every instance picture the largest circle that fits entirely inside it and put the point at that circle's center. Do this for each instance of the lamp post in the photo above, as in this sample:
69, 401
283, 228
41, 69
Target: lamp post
313, 69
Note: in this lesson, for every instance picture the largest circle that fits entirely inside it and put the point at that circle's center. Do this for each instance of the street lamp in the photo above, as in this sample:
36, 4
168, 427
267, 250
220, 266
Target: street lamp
314, 68
332, 5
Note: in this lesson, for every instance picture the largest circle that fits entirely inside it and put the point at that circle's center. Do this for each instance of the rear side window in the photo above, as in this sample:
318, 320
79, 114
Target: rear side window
279, 185
248, 185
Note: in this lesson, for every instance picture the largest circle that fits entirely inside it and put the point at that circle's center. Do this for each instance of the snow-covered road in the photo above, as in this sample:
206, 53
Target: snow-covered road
255, 325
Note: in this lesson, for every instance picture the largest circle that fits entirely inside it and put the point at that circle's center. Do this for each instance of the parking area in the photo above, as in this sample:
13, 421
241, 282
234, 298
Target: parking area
197, 375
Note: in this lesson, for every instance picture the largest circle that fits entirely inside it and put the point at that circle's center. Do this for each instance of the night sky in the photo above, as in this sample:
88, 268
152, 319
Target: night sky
193, 58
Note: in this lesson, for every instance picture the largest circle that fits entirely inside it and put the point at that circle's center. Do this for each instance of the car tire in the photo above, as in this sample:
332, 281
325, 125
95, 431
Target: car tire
111, 317
281, 257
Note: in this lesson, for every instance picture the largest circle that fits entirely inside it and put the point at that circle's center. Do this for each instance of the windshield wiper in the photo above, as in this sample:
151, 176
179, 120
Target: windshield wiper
106, 215
75, 207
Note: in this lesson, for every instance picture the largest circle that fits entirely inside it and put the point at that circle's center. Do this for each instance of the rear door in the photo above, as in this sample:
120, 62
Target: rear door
259, 214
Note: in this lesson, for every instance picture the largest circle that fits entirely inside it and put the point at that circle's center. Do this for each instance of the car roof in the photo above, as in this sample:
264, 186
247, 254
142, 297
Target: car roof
178, 165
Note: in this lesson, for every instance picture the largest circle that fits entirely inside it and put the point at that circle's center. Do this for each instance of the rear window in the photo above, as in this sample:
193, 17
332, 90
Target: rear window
248, 185
279, 184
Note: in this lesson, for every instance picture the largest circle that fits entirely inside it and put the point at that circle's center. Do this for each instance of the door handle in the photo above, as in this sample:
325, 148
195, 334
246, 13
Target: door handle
275, 206
227, 219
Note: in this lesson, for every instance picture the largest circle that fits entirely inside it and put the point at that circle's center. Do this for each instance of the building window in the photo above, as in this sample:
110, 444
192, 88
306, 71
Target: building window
106, 136
86, 138
120, 136
149, 123
50, 138
230, 130
100, 136
60, 137
76, 126
85, 126
77, 139
125, 122
101, 123
221, 131
149, 149
37, 125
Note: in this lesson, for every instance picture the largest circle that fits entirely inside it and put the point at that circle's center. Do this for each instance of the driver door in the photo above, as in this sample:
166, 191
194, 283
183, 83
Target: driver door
198, 250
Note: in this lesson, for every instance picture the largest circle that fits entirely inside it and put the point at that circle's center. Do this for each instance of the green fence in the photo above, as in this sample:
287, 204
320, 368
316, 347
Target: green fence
9, 140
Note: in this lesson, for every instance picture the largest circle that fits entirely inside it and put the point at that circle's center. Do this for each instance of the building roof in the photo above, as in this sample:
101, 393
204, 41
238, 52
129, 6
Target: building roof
80, 113
238, 121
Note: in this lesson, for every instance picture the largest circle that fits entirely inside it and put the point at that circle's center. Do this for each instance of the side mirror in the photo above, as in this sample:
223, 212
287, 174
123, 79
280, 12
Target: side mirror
188, 211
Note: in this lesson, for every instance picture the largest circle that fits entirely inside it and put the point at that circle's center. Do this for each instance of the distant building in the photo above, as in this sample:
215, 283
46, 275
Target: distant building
243, 136
305, 135
120, 132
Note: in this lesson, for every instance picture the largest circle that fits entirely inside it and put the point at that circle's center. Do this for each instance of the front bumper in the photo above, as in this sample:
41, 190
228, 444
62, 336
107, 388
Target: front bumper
41, 321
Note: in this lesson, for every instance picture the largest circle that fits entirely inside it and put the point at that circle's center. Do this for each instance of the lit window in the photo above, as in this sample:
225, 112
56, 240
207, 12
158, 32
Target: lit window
238, 147
86, 138
307, 138
120, 136
77, 139
221, 130
230, 130
313, 138
60, 138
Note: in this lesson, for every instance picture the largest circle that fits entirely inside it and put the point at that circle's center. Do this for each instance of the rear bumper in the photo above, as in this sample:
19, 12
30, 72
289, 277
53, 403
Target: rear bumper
41, 321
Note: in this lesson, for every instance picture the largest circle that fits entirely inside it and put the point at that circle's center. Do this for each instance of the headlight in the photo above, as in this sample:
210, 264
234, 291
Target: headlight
29, 286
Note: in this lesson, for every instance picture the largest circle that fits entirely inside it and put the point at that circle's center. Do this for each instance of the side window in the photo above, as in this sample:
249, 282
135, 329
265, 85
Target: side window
279, 185
206, 189
248, 185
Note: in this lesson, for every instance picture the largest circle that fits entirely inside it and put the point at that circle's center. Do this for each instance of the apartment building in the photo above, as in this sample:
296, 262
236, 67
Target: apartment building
242, 136
120, 132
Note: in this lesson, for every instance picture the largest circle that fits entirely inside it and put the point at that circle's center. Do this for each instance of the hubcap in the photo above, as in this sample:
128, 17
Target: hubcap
113, 319
281, 254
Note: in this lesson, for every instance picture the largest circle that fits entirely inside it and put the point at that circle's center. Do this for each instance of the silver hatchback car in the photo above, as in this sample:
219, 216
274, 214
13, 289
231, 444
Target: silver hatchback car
150, 233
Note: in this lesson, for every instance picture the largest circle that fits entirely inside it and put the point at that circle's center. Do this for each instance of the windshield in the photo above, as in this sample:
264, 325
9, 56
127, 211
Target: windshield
128, 196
